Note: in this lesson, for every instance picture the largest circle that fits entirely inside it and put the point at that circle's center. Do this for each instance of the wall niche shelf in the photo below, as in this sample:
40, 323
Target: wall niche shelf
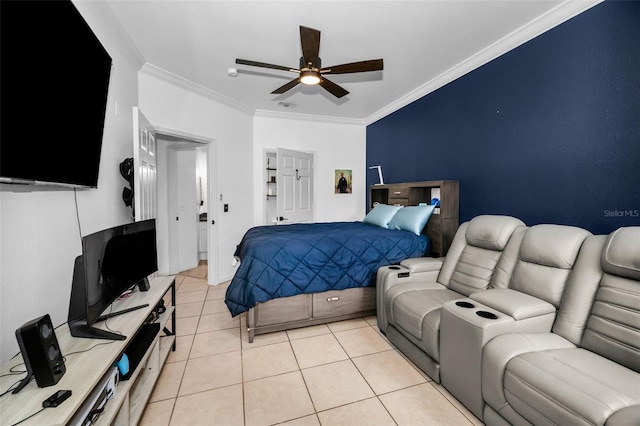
271, 185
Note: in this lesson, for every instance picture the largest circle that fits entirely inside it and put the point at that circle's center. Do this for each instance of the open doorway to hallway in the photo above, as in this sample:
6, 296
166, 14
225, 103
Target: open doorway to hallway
185, 204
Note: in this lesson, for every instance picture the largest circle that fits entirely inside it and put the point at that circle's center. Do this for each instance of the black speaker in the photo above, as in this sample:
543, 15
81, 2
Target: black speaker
41, 353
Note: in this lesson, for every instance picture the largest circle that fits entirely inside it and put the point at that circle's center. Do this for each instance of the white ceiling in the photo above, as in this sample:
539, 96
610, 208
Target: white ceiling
424, 44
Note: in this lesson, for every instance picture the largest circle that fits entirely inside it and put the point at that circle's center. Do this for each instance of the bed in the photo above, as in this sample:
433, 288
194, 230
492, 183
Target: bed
297, 275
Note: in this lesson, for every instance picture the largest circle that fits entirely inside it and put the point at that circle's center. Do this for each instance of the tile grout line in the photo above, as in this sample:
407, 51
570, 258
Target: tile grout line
315, 410
371, 387
188, 358
186, 364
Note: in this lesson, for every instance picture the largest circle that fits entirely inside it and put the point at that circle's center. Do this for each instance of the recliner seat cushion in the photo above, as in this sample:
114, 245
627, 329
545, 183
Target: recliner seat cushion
417, 314
568, 386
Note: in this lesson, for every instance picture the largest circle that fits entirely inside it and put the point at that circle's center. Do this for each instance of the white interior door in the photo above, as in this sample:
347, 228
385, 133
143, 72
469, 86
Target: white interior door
186, 210
295, 186
145, 168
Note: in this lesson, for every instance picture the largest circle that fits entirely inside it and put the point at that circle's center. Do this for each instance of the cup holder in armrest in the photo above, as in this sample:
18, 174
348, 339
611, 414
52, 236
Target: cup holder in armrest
464, 304
394, 267
485, 314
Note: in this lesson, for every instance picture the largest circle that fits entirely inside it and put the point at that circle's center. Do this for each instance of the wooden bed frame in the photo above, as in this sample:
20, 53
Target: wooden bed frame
303, 310
319, 308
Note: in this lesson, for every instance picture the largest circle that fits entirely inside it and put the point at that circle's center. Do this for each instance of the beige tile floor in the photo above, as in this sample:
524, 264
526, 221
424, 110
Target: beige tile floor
344, 373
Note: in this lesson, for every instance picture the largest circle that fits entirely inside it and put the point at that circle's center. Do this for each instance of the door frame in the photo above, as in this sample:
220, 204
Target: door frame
212, 200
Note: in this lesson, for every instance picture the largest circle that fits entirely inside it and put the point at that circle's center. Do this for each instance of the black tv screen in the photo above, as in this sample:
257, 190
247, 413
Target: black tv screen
113, 261
54, 84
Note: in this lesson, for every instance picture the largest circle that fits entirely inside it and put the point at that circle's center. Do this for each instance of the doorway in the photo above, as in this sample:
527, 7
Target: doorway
186, 205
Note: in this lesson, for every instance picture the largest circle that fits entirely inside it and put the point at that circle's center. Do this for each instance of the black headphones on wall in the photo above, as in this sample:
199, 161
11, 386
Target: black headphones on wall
126, 170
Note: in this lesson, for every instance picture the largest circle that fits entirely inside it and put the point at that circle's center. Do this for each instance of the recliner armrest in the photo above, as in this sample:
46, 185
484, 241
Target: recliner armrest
499, 351
510, 302
423, 264
626, 416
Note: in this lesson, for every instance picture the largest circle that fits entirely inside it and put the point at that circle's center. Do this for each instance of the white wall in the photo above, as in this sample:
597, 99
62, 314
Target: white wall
337, 145
169, 105
39, 230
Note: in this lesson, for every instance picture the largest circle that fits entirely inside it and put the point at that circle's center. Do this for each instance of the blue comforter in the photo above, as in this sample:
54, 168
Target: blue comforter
280, 261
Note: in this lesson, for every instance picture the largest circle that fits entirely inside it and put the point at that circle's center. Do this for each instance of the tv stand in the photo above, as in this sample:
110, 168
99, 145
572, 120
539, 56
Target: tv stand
88, 363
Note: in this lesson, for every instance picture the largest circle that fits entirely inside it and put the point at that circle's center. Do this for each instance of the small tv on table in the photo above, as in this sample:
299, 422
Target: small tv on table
113, 261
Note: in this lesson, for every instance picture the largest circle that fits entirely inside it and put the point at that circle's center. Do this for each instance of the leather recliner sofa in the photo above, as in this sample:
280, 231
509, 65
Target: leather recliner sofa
534, 281
410, 296
586, 371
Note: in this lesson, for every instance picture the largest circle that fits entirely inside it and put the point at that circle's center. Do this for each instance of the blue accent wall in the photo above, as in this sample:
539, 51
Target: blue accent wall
548, 132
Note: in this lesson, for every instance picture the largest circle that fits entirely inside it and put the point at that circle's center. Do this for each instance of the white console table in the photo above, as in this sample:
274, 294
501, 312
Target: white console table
87, 364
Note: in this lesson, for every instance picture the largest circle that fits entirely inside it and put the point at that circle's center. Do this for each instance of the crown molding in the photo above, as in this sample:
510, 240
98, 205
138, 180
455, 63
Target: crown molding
561, 13
164, 75
309, 117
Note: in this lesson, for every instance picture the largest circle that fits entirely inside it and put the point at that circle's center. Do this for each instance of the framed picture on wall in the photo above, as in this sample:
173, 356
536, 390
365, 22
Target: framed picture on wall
342, 181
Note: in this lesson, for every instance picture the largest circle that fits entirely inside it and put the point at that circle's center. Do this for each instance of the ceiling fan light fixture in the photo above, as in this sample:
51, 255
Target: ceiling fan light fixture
309, 77
311, 72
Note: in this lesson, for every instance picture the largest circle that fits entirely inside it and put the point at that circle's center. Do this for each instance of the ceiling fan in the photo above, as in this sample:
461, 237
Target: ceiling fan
310, 71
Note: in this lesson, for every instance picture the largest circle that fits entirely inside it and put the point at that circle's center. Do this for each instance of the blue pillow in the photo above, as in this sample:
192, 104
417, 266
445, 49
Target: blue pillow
381, 215
411, 219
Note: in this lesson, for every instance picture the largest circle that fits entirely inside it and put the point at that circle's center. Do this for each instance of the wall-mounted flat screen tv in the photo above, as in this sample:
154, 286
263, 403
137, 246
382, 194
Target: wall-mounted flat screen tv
54, 79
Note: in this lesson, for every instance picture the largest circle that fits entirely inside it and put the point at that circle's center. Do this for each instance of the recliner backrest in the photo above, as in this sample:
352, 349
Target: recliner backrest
613, 327
546, 258
580, 291
475, 252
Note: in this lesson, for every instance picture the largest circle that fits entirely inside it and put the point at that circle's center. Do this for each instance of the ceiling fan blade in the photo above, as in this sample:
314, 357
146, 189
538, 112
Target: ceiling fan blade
290, 85
310, 40
333, 88
362, 66
264, 65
